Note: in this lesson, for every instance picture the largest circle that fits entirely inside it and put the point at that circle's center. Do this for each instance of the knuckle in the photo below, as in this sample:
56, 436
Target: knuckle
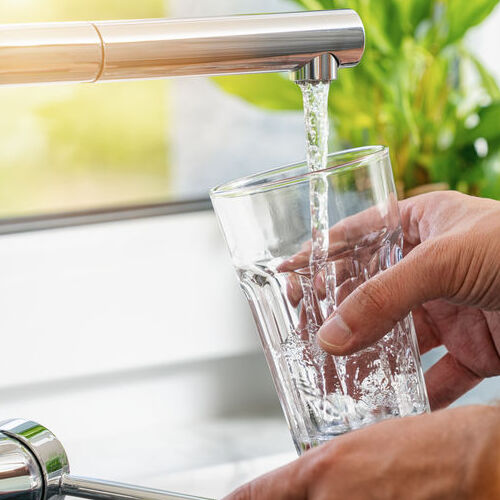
445, 197
448, 195
318, 461
329, 457
316, 464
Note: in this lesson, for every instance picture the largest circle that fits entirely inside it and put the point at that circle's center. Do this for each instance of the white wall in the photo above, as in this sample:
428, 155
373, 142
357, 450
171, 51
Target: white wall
96, 299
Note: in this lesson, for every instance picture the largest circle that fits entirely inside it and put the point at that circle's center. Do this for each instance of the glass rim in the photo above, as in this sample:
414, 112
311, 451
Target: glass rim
246, 185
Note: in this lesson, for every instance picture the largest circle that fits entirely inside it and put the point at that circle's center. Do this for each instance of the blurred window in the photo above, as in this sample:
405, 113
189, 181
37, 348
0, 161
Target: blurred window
72, 147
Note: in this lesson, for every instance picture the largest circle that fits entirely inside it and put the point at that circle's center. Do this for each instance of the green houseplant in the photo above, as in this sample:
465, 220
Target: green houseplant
418, 90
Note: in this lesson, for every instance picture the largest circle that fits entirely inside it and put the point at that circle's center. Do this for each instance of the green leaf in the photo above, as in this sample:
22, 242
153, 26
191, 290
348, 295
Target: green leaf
311, 4
488, 127
412, 12
464, 14
490, 184
418, 11
316, 4
392, 22
269, 91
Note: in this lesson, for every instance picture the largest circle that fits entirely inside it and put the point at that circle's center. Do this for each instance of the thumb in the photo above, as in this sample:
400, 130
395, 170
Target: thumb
373, 309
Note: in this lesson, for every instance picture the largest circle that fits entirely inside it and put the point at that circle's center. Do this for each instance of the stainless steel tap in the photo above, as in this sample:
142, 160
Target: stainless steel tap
311, 45
34, 466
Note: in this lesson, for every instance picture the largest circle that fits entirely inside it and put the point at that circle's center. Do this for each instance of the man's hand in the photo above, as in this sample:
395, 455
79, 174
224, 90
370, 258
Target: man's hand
450, 278
447, 455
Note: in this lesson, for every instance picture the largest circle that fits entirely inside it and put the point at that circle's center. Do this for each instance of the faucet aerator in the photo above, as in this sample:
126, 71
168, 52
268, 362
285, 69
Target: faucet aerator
323, 68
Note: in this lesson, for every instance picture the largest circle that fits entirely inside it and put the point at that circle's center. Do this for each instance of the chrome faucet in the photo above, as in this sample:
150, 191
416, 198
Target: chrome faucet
34, 466
310, 45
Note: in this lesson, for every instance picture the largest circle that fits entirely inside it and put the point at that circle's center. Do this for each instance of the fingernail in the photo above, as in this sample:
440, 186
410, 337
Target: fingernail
334, 332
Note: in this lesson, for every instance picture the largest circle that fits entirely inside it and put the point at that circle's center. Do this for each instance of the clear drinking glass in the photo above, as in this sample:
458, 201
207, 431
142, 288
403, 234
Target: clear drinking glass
267, 225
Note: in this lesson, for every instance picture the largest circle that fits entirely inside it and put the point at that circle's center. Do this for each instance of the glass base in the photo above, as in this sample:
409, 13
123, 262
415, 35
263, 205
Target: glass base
303, 445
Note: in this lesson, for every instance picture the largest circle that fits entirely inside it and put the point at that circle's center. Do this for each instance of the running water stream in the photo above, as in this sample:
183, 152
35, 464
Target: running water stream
317, 130
315, 97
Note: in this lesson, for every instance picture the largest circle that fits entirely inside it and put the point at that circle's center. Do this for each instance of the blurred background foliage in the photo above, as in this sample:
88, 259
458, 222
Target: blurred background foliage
418, 90
68, 147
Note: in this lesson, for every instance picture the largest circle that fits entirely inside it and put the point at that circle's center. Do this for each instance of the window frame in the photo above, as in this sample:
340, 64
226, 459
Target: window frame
12, 225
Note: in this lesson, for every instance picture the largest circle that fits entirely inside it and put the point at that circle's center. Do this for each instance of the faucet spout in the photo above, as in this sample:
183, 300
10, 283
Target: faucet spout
322, 68
311, 45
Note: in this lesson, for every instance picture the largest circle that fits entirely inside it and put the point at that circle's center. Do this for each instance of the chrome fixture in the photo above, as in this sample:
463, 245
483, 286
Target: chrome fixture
311, 45
34, 466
